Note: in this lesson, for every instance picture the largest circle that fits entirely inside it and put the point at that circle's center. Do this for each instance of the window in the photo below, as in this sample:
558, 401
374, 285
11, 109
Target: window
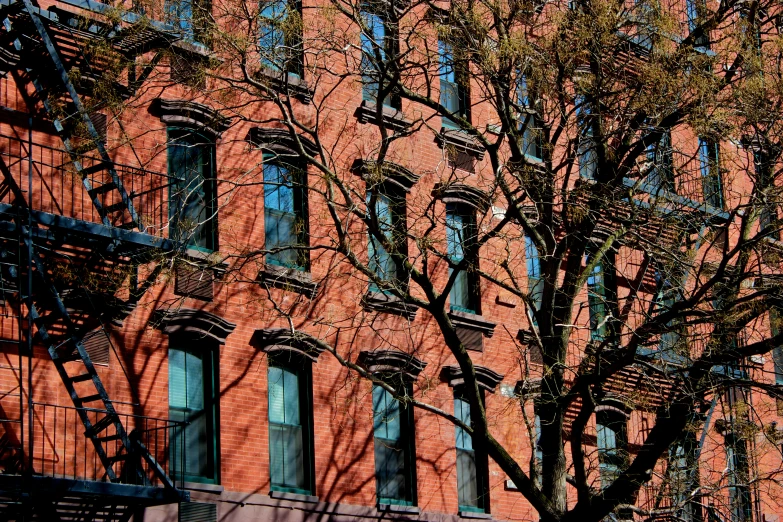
596, 299
395, 458
285, 215
454, 92
280, 37
709, 164
193, 399
738, 475
390, 213
777, 353
531, 137
539, 451
191, 17
683, 475
535, 281
585, 144
378, 45
192, 189
612, 439
696, 9
472, 476
769, 210
660, 159
460, 236
290, 424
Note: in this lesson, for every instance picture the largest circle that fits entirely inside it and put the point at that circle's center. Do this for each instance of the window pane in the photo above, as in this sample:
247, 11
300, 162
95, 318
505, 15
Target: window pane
462, 412
283, 396
286, 454
373, 42
386, 414
271, 40
459, 230
191, 193
381, 263
390, 470
467, 479
283, 218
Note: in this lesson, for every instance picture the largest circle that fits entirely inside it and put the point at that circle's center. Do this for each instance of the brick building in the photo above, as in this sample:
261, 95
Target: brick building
186, 336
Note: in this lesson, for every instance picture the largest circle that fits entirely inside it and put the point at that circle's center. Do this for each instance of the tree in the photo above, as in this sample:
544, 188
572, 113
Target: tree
631, 161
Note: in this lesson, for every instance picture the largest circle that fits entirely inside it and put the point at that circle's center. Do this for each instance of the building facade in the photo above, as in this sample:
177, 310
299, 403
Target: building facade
215, 275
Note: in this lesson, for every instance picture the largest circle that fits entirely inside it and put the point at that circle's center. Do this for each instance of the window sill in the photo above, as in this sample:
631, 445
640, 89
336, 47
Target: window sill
475, 515
193, 47
380, 302
215, 489
460, 140
288, 279
397, 508
295, 497
472, 322
285, 83
392, 118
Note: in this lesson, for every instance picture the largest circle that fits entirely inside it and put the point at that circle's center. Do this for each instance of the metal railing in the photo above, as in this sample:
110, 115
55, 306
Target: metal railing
58, 189
61, 449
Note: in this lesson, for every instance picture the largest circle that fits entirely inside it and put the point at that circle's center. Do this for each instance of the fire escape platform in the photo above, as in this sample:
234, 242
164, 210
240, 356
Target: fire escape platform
63, 229
53, 489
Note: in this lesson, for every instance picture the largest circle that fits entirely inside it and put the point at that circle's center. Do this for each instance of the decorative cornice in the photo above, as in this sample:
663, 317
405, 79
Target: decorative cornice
486, 378
284, 82
461, 141
472, 321
392, 118
280, 142
197, 323
613, 404
374, 173
392, 361
183, 113
390, 304
280, 340
288, 279
462, 194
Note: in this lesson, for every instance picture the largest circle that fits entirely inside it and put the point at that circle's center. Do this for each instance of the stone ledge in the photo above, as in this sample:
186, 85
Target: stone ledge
295, 497
396, 508
471, 514
460, 140
472, 321
392, 118
380, 302
286, 83
216, 489
288, 279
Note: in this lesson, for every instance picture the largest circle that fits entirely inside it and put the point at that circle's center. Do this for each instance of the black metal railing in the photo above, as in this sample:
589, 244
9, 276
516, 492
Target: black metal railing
61, 449
58, 189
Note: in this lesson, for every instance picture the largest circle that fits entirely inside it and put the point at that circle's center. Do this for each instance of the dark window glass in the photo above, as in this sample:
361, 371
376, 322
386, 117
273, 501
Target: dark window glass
192, 399
739, 476
531, 135
378, 45
535, 280
454, 92
660, 160
280, 37
709, 165
612, 437
285, 215
191, 18
192, 189
775, 321
390, 212
394, 455
460, 235
586, 156
472, 492
596, 297
290, 426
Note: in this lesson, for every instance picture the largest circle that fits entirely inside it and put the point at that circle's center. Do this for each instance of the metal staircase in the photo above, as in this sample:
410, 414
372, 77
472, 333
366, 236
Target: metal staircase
32, 39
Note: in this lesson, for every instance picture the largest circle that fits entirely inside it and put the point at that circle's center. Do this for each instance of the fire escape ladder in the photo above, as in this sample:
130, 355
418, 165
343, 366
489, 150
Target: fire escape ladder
115, 214
88, 394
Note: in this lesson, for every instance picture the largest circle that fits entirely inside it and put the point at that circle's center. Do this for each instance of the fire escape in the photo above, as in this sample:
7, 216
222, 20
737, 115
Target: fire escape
71, 233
